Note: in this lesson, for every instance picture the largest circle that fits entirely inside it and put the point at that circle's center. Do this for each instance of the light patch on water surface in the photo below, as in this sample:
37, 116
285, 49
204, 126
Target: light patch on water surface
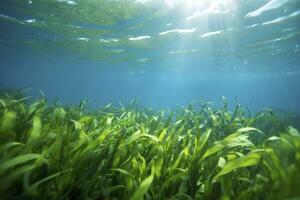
183, 51
30, 20
143, 60
288, 36
68, 2
277, 20
288, 29
178, 31
195, 15
172, 3
285, 37
83, 39
210, 34
296, 13
230, 29
281, 19
142, 1
251, 26
297, 49
215, 7
271, 5
108, 40
75, 26
212, 5
11, 19
139, 38
117, 50
290, 73
7, 17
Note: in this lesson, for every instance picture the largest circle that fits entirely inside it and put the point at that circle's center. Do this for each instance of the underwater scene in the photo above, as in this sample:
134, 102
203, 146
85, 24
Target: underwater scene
150, 99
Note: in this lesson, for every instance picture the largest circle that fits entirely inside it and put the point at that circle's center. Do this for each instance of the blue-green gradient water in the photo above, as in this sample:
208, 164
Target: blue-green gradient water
162, 52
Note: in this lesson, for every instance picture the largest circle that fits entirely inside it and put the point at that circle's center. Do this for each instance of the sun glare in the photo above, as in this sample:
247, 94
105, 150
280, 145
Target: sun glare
210, 6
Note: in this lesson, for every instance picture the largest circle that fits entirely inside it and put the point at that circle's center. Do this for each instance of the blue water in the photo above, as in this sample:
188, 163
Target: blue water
181, 53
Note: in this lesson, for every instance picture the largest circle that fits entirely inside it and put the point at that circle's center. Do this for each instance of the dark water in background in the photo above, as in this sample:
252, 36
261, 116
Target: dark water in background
161, 59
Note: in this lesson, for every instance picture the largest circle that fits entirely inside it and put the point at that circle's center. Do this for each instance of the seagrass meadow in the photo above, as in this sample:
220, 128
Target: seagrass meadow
51, 151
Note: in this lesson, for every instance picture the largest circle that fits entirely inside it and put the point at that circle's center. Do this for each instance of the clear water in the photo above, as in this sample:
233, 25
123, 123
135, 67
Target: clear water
162, 52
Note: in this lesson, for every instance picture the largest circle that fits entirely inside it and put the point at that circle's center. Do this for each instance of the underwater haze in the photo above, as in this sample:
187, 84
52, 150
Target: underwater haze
163, 53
